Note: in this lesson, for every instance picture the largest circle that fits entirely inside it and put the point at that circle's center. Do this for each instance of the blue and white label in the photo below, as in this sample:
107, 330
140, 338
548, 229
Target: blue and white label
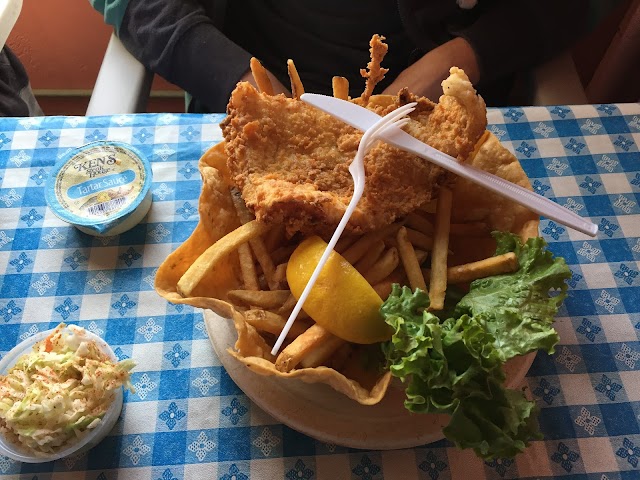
93, 186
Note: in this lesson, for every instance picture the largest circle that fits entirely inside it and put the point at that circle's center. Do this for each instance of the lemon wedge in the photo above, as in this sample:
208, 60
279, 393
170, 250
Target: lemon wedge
341, 300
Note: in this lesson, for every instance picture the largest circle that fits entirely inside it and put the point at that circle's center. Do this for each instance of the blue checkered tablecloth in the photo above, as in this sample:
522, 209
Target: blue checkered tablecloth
188, 420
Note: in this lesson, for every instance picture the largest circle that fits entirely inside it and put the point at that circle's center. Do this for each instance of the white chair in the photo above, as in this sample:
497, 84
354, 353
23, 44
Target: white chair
123, 84
9, 13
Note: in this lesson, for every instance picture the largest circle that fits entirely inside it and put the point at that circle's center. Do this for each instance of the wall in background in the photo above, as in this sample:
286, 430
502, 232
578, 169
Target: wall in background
61, 44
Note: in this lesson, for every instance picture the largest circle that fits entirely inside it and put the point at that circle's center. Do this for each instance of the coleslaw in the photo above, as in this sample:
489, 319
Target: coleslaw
59, 391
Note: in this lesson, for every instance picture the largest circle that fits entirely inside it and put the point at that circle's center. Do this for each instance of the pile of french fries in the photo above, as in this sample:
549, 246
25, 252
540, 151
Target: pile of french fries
414, 251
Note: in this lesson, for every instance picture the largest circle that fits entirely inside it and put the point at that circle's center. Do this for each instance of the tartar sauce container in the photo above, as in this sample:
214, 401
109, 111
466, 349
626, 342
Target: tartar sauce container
102, 188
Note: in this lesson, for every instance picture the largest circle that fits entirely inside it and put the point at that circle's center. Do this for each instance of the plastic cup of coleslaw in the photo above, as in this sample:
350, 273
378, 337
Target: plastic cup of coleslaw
87, 440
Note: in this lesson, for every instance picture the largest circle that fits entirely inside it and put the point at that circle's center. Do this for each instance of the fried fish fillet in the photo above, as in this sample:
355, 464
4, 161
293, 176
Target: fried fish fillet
290, 160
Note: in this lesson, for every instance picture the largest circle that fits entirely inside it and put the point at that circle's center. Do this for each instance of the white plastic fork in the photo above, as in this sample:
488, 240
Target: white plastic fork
396, 118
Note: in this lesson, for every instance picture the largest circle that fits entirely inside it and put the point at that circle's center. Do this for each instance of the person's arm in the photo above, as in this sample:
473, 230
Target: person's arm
425, 76
180, 42
512, 35
508, 36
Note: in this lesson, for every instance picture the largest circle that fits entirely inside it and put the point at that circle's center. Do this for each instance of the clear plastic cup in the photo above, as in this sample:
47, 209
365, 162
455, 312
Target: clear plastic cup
90, 439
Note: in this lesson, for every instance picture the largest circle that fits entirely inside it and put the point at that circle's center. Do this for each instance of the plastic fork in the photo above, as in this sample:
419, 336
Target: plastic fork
396, 118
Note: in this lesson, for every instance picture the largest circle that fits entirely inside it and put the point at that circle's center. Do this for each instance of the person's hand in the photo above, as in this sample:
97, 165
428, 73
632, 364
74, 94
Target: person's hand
425, 76
275, 83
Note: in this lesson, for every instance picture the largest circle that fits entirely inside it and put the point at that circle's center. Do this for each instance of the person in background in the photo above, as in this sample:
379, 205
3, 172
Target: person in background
16, 96
204, 46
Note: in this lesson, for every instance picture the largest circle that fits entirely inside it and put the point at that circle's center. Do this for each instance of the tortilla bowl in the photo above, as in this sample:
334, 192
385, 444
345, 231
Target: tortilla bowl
218, 217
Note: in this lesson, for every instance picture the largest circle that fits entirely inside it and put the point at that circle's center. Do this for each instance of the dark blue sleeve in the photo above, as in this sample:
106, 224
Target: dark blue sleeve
179, 41
518, 35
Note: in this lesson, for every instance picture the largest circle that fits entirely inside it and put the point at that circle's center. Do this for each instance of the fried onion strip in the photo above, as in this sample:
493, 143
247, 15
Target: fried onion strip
374, 73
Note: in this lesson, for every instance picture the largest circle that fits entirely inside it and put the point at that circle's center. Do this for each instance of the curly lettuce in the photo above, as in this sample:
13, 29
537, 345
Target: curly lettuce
517, 308
454, 365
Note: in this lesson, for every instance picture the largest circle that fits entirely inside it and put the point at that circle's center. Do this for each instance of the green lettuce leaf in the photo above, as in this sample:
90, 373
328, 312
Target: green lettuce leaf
454, 367
501, 426
443, 362
453, 363
517, 308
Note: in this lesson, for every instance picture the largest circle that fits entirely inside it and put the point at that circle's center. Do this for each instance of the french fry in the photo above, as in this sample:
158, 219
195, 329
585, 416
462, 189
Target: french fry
280, 275
296, 84
429, 208
248, 268
383, 288
257, 244
410, 261
273, 323
340, 87
217, 252
345, 242
244, 214
287, 307
474, 229
292, 354
419, 239
438, 277
265, 261
386, 264
421, 255
282, 254
247, 265
366, 262
266, 299
320, 354
419, 223
505, 263
341, 356
274, 238
356, 251
260, 76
